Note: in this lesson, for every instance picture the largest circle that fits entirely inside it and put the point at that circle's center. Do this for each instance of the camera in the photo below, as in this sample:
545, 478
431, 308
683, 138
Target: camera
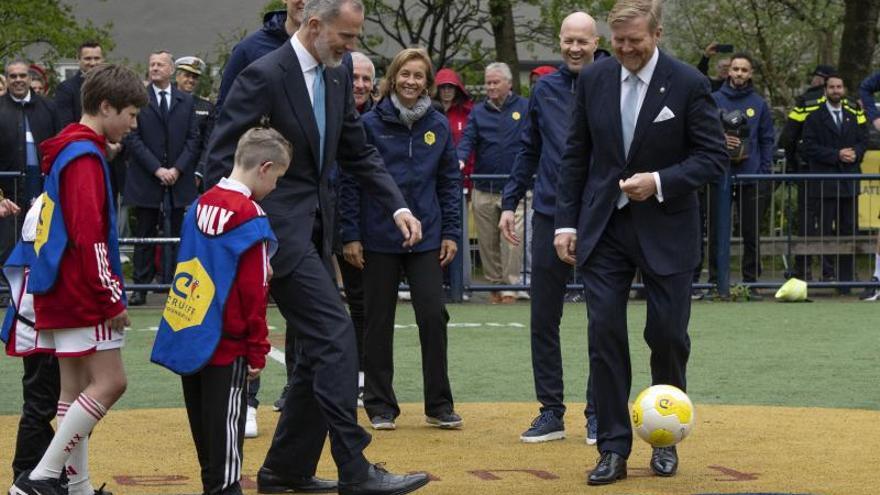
736, 123
724, 48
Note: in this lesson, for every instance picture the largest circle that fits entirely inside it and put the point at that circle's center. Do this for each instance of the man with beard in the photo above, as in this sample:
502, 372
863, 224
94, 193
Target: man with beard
542, 146
835, 139
750, 200
301, 90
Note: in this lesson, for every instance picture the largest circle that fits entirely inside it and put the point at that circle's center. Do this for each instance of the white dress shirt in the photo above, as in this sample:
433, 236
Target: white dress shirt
836, 113
167, 91
307, 63
309, 66
644, 75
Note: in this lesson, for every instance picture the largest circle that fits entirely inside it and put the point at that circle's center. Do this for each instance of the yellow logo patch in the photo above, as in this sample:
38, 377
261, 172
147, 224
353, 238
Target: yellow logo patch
192, 291
516, 115
750, 112
44, 223
430, 138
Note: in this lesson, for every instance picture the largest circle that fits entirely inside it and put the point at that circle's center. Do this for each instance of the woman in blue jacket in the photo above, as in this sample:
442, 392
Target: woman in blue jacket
416, 144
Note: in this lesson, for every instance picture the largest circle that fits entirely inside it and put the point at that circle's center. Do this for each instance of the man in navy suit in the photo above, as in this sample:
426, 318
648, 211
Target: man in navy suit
163, 157
645, 136
305, 92
834, 141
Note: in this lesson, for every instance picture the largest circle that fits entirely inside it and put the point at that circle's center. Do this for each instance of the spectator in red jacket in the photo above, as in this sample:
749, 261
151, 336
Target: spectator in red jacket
457, 105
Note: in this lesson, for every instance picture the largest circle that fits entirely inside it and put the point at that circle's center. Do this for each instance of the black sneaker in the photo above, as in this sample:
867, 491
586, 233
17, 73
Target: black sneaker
383, 422
102, 491
697, 294
447, 421
26, 486
546, 427
279, 404
870, 293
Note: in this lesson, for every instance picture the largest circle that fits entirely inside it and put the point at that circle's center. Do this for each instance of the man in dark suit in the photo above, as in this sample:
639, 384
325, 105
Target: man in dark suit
645, 136
67, 94
835, 138
303, 92
163, 153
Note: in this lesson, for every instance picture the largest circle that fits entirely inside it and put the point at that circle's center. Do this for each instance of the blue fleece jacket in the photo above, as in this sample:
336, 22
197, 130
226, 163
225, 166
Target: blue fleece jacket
423, 164
543, 142
494, 136
760, 121
869, 86
255, 45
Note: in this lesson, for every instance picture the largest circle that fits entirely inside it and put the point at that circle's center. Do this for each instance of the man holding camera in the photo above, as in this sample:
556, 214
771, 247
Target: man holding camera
748, 130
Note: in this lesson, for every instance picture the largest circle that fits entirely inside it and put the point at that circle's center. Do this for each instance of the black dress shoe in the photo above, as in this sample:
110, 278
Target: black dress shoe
137, 299
269, 481
664, 461
610, 468
381, 482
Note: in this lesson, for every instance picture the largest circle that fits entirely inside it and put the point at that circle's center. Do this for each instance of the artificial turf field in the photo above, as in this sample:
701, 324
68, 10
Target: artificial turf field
787, 401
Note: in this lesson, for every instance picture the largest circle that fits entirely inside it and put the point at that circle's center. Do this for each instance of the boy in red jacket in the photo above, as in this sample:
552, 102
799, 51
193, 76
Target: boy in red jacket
79, 301
213, 330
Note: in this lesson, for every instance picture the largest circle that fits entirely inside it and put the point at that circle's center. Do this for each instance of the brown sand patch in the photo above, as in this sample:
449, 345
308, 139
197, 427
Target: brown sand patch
734, 449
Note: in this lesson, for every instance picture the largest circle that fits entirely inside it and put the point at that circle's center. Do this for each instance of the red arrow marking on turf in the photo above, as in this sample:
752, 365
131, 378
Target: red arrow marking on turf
487, 474
733, 474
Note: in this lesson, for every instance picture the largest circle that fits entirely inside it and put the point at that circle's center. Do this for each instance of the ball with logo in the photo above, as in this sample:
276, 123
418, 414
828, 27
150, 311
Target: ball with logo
662, 415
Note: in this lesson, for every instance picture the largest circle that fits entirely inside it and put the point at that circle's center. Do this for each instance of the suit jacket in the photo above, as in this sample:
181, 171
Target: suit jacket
157, 143
820, 147
274, 87
68, 100
43, 120
687, 150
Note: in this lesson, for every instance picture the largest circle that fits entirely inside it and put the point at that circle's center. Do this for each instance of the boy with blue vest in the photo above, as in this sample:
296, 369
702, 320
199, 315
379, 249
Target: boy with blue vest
76, 278
213, 330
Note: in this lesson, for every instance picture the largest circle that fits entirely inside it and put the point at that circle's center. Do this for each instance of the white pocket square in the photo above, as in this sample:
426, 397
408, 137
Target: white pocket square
664, 115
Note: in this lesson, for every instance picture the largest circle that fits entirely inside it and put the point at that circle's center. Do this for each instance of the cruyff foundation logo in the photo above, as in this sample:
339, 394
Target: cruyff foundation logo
192, 291
44, 223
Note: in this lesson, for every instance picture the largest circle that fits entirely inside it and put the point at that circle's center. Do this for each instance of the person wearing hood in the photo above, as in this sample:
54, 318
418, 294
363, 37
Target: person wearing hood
417, 147
457, 104
543, 143
278, 27
539, 72
750, 200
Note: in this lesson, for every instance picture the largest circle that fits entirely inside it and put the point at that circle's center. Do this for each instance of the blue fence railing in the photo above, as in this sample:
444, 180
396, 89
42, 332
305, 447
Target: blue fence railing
461, 274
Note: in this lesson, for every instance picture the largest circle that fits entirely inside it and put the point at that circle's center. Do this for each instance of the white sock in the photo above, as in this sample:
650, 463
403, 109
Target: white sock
73, 431
877, 266
361, 379
77, 465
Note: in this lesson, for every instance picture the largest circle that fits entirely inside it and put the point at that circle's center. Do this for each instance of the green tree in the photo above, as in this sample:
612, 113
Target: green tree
48, 25
445, 28
859, 41
786, 38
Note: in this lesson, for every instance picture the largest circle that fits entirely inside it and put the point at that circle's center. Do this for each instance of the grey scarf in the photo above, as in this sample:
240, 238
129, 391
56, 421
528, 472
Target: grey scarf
409, 116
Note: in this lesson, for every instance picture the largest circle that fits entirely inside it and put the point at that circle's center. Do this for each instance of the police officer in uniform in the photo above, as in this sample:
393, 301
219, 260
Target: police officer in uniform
189, 70
804, 104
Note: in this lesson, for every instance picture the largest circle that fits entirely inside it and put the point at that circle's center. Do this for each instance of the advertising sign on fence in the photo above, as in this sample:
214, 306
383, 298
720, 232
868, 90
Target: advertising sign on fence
869, 196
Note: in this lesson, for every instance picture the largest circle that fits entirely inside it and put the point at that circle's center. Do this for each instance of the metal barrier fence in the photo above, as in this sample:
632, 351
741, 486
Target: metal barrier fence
786, 225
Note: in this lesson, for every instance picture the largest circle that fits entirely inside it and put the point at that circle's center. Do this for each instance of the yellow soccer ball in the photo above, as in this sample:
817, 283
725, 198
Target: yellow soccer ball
662, 415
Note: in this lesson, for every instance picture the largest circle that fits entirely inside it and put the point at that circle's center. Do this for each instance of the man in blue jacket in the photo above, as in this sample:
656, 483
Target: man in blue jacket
869, 86
278, 27
543, 143
750, 199
493, 135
